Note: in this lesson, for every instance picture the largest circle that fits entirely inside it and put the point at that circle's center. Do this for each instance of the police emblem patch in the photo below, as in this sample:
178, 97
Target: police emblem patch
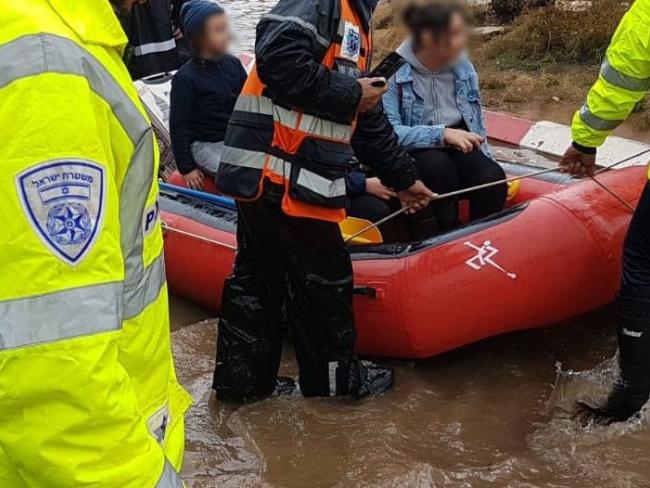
351, 43
64, 202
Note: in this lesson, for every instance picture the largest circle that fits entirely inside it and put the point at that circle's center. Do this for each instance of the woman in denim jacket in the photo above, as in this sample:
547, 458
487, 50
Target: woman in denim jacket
434, 104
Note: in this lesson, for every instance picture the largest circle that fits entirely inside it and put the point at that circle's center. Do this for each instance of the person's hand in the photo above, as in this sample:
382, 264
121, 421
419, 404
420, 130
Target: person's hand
417, 197
371, 95
178, 33
194, 179
375, 187
462, 140
578, 163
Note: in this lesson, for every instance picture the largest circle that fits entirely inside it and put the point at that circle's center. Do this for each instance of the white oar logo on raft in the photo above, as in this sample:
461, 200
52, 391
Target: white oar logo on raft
483, 258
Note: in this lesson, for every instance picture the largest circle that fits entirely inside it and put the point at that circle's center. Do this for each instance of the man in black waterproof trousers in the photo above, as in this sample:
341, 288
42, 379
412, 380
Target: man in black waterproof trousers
304, 114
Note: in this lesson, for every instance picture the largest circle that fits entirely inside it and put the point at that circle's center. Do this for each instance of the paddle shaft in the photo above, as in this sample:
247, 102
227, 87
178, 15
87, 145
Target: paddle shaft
451, 194
463, 191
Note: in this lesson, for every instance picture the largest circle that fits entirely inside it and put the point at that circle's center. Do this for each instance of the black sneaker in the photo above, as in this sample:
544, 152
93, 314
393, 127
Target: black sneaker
624, 402
376, 379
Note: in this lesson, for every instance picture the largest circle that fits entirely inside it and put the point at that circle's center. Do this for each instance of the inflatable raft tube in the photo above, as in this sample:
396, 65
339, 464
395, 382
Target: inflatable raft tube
554, 254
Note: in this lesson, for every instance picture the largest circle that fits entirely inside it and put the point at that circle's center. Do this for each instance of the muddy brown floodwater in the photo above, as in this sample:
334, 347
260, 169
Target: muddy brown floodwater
493, 414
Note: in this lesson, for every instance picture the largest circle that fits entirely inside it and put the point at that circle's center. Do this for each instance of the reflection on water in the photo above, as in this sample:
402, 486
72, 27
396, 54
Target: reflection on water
244, 16
487, 415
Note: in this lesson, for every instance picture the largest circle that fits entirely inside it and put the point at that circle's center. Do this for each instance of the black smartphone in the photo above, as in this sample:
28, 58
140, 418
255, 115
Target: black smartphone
387, 68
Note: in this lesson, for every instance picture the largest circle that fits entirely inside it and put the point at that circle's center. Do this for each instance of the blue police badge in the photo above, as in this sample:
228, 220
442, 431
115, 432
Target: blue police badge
351, 43
64, 202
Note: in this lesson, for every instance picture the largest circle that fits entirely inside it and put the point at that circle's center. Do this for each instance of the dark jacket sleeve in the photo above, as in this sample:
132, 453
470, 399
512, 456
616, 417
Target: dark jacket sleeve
242, 75
176, 13
180, 115
291, 42
375, 144
355, 183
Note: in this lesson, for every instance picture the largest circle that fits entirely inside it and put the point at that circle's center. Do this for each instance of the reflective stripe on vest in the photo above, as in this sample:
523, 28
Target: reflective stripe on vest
264, 162
308, 124
61, 315
169, 478
154, 47
23, 58
596, 122
621, 80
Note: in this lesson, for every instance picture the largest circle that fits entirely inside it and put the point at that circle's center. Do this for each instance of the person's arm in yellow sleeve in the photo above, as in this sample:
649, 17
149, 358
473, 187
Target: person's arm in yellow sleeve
69, 415
623, 81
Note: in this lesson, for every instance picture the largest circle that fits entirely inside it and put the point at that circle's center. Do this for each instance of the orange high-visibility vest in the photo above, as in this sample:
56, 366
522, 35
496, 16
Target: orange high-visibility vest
305, 152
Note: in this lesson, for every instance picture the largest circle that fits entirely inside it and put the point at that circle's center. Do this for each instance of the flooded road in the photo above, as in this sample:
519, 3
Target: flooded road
484, 416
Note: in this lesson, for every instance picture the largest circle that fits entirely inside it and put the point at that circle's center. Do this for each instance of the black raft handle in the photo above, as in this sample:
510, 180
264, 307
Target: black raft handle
367, 291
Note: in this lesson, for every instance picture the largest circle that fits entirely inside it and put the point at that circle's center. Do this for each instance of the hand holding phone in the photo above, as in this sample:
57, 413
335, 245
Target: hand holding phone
371, 91
375, 84
388, 67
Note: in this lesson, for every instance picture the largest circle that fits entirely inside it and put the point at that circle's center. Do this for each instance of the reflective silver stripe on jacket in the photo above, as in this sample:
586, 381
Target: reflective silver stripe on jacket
596, 122
621, 80
243, 157
246, 158
255, 104
61, 315
309, 124
169, 478
154, 47
308, 179
321, 185
301, 22
33, 55
265, 106
325, 129
147, 291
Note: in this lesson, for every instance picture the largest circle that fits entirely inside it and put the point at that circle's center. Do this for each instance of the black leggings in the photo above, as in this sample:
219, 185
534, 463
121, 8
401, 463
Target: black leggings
447, 170
373, 209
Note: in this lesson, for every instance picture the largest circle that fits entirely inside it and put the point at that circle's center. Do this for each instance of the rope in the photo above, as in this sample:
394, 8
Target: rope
166, 227
612, 193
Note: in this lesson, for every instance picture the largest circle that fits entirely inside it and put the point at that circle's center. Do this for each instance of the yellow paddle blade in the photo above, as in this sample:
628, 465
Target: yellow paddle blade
352, 225
513, 189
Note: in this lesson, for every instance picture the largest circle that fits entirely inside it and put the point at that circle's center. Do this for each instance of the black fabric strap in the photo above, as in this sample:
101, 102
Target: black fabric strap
584, 149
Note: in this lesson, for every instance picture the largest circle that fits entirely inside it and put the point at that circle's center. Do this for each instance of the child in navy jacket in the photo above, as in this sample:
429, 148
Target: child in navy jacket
204, 92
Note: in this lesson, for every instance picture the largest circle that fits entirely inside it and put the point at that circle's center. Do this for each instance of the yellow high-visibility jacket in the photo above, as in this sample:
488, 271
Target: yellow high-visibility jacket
623, 81
88, 392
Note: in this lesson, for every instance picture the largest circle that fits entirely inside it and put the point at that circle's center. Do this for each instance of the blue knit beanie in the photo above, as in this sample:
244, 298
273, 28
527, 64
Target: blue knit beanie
194, 14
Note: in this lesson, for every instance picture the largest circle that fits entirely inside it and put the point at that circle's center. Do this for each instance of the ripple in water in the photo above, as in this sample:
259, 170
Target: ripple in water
244, 16
496, 414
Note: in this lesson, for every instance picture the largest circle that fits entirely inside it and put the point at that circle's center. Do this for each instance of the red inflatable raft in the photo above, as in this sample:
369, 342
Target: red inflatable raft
553, 254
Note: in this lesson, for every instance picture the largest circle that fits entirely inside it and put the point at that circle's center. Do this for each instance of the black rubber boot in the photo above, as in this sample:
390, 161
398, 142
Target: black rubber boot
632, 390
376, 379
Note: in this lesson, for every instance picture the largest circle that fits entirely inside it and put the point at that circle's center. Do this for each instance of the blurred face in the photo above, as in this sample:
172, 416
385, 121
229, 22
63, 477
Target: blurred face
216, 36
448, 46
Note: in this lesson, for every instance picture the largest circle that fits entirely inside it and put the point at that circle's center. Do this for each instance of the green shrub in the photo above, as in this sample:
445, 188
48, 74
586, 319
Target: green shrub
552, 35
509, 9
